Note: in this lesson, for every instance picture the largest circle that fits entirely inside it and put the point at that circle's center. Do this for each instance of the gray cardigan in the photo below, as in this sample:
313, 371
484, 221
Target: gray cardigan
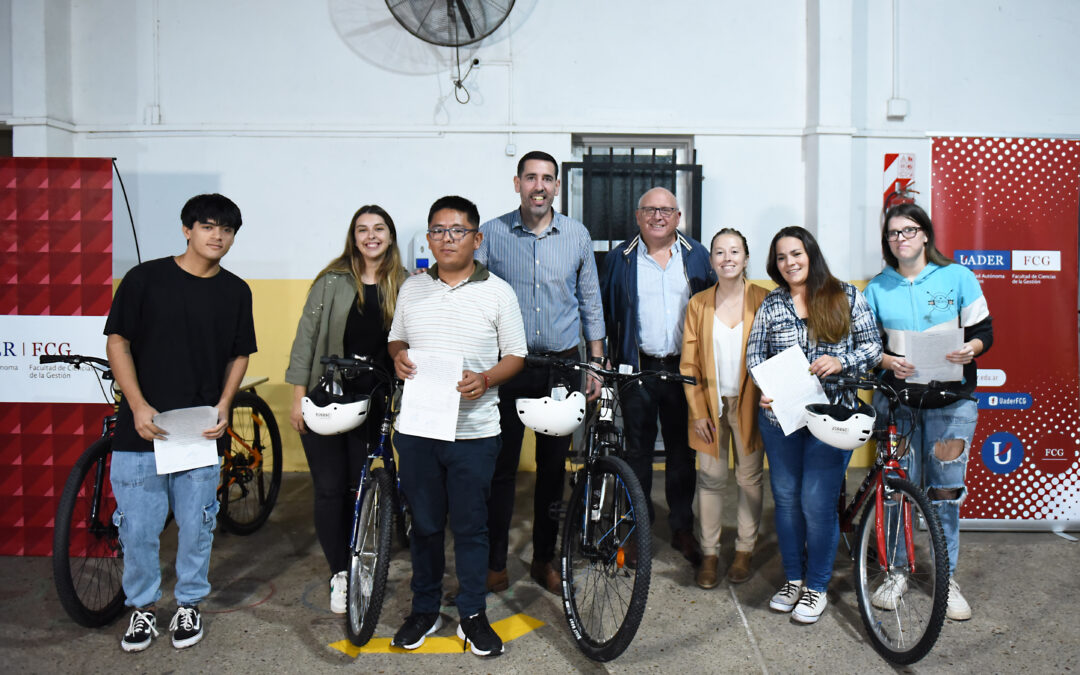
322, 327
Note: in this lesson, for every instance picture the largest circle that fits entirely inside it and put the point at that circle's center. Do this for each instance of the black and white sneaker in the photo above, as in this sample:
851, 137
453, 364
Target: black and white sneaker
479, 635
417, 626
186, 626
142, 629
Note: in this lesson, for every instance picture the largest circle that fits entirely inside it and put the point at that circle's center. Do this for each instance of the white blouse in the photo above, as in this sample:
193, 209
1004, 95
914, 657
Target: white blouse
727, 352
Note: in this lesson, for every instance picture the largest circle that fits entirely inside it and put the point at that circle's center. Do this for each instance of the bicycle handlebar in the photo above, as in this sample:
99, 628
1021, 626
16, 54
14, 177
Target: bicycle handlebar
539, 361
868, 382
74, 359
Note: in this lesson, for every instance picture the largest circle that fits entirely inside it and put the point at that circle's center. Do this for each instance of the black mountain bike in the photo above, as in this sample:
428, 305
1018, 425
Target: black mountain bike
603, 591
87, 559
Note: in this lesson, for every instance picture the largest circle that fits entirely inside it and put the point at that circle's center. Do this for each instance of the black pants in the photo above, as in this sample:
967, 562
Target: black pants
551, 453
641, 402
336, 463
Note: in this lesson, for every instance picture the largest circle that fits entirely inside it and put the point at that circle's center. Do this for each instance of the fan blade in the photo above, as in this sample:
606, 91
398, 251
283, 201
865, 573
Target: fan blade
466, 19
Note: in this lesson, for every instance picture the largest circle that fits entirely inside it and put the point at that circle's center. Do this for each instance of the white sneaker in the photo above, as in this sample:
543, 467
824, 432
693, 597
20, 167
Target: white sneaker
811, 605
339, 583
957, 607
889, 593
787, 596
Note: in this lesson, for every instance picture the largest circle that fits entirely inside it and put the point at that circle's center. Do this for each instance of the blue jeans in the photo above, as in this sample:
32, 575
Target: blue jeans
925, 469
805, 475
143, 500
441, 479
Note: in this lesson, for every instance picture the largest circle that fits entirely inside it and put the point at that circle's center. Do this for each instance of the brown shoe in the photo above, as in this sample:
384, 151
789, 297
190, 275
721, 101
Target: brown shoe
684, 542
740, 567
498, 580
708, 573
546, 576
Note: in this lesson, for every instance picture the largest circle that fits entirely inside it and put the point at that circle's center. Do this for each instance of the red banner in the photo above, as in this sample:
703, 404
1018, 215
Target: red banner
1008, 208
55, 261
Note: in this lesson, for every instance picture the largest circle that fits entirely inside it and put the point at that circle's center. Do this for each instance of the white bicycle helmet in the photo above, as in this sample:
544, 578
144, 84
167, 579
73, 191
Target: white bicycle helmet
841, 426
550, 417
330, 412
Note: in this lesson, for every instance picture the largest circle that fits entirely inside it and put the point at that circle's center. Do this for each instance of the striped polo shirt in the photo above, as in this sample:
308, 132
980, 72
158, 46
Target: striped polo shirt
478, 318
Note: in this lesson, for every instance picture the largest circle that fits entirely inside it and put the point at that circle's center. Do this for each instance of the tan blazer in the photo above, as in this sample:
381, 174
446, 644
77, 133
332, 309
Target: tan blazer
703, 399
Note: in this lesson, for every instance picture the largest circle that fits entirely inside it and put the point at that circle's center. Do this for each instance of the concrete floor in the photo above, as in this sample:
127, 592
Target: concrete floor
269, 613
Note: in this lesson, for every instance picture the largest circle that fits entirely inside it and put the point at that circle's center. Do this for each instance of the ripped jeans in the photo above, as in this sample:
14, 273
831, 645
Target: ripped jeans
143, 501
927, 470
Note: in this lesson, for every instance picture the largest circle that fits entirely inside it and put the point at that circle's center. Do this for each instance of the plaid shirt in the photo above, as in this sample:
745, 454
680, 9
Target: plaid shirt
777, 327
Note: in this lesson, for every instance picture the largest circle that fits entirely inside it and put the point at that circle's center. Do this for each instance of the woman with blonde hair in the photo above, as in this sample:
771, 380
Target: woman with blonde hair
348, 311
723, 404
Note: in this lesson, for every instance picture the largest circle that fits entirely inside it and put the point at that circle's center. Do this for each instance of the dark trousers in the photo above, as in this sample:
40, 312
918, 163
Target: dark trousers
551, 452
444, 479
336, 463
641, 402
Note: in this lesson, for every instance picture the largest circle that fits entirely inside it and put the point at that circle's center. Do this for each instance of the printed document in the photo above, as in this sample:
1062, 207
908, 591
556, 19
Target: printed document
184, 447
926, 351
787, 380
430, 400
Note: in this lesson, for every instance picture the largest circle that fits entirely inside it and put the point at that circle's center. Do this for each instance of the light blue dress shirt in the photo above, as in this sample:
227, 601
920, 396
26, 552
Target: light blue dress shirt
663, 293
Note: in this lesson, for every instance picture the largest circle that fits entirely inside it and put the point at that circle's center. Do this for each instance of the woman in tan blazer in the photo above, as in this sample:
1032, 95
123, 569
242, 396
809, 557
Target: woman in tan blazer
723, 404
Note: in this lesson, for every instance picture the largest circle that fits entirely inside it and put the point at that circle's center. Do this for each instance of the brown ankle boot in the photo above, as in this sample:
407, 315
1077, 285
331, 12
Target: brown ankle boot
740, 567
707, 576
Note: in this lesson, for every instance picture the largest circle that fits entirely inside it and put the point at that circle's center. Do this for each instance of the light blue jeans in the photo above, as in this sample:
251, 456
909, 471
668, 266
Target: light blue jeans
143, 501
805, 475
925, 469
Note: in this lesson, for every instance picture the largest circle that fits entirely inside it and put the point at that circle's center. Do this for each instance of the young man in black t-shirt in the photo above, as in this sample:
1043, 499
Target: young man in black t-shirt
179, 334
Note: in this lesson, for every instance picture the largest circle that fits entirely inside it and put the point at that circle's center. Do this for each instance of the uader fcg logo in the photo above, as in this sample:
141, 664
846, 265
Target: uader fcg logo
1002, 452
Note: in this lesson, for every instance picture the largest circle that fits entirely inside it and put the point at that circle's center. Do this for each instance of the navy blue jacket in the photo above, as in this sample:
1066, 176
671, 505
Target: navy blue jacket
618, 289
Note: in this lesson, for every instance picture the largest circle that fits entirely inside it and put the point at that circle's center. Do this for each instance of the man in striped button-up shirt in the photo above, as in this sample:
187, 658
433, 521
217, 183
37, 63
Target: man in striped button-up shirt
548, 260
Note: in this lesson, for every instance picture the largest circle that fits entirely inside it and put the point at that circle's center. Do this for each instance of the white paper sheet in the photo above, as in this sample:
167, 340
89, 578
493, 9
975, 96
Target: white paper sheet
787, 380
185, 448
926, 351
430, 400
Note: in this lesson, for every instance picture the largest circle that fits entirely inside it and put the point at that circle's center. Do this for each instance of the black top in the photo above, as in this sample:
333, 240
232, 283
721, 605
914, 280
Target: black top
365, 335
183, 331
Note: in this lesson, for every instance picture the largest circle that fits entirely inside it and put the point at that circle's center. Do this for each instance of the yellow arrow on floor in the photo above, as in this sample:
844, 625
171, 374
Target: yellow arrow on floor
510, 628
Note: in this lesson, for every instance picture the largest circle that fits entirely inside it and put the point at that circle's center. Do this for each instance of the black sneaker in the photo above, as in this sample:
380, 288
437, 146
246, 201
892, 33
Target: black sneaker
186, 626
142, 629
479, 635
417, 626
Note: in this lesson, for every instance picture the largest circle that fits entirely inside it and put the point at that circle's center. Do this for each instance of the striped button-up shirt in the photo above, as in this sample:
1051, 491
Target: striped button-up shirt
553, 275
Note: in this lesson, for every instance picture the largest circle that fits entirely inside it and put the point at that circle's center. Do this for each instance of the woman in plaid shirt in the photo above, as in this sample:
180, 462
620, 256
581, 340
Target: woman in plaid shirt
833, 325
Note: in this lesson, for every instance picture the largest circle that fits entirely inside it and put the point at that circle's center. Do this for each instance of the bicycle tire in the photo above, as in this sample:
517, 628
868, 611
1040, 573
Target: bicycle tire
369, 561
904, 627
251, 470
88, 564
604, 599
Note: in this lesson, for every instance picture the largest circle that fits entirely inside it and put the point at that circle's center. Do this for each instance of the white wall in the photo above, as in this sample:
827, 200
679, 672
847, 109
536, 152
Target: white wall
301, 111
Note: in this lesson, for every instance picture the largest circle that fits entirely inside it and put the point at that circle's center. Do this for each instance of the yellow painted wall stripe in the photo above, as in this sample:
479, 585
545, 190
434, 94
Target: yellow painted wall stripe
510, 628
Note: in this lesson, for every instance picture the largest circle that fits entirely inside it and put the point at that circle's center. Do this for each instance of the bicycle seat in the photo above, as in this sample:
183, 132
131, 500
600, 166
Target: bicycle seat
550, 417
841, 426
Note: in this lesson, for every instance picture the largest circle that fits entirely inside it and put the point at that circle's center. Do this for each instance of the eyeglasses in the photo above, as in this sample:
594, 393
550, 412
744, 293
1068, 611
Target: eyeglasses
908, 232
456, 233
665, 211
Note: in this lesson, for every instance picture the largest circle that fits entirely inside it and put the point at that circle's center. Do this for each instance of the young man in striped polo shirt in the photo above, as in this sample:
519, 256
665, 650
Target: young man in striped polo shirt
456, 307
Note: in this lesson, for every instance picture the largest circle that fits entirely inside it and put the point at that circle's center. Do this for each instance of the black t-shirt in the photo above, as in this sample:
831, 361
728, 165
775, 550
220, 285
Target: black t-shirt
183, 331
365, 335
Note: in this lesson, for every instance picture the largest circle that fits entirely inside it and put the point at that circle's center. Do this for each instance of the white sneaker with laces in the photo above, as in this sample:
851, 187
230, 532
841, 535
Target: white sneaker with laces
957, 607
787, 596
811, 605
890, 592
339, 584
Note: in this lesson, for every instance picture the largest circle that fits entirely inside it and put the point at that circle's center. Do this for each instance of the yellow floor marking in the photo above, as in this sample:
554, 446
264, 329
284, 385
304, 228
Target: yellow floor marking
510, 628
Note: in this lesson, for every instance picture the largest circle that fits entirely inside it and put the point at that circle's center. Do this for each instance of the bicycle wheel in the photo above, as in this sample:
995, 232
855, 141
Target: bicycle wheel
370, 559
603, 598
88, 564
902, 597
251, 470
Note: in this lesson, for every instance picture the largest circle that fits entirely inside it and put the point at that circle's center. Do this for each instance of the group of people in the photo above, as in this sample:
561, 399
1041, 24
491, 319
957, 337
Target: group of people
527, 283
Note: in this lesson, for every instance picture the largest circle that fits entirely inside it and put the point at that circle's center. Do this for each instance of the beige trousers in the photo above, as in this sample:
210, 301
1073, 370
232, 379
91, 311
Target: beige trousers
712, 479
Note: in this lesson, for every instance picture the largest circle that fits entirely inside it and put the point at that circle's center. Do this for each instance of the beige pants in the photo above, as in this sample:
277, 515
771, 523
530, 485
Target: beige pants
712, 484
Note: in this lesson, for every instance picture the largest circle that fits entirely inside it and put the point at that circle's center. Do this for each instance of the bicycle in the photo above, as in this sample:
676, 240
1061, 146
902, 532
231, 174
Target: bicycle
900, 556
603, 592
87, 557
379, 503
